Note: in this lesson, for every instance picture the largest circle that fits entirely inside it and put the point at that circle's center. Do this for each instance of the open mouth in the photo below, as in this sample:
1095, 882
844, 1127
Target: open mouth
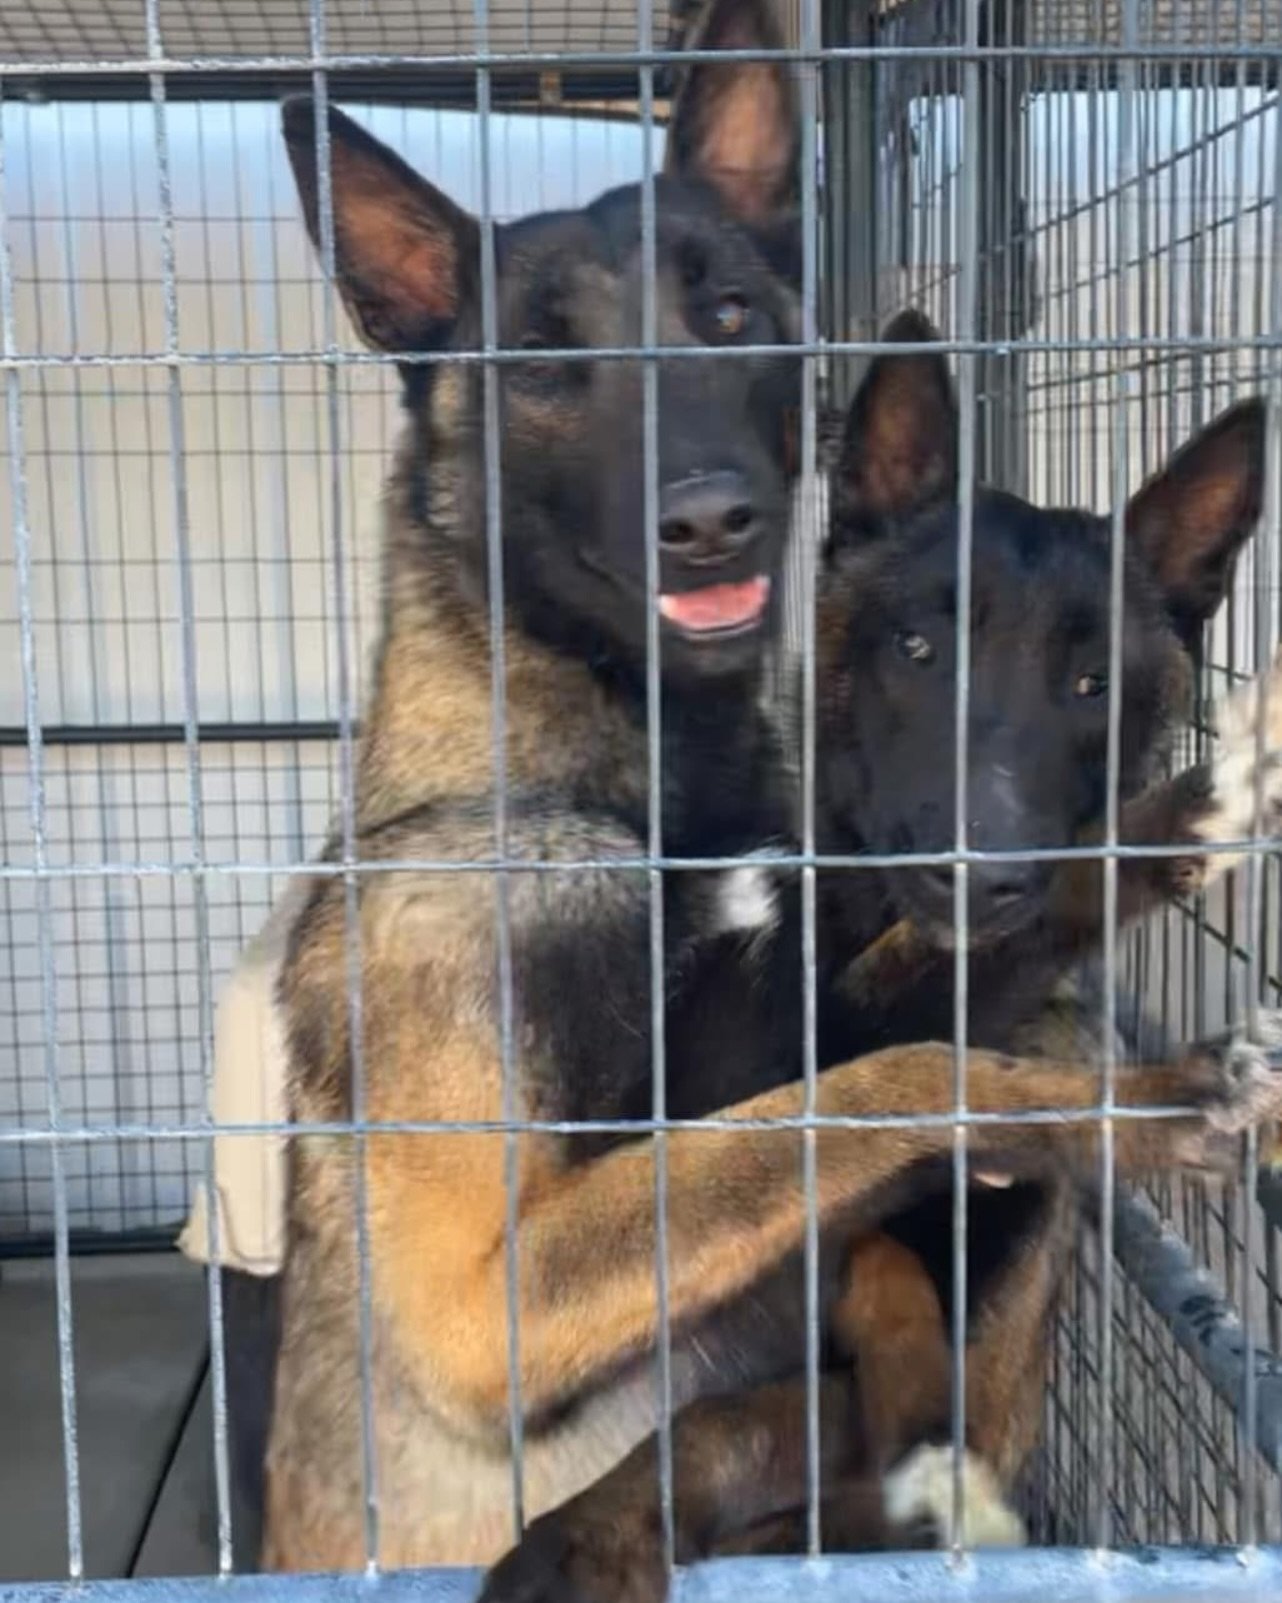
716, 611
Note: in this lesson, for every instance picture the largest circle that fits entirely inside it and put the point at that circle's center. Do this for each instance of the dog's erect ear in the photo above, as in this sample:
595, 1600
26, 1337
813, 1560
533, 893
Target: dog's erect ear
900, 447
403, 251
736, 126
1190, 520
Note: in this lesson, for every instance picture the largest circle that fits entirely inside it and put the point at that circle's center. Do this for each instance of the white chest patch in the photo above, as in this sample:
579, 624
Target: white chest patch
746, 901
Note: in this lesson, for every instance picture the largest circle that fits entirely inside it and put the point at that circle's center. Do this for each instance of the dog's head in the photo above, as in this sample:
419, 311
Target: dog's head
571, 454
1039, 638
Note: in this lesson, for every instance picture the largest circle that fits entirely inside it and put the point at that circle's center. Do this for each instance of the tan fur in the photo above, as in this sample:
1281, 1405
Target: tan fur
732, 117
889, 1318
737, 150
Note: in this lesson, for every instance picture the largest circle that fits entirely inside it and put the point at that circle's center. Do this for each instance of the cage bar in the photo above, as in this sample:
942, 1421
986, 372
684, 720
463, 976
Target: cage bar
1083, 192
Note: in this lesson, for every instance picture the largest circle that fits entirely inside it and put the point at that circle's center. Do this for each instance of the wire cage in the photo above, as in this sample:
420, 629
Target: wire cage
1115, 253
1081, 193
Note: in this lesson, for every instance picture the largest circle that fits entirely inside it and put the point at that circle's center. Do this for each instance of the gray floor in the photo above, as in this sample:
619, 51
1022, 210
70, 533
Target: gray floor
142, 1419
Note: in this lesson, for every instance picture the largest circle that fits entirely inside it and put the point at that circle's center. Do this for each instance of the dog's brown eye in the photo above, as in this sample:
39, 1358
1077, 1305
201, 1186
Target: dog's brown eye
732, 316
915, 647
1090, 684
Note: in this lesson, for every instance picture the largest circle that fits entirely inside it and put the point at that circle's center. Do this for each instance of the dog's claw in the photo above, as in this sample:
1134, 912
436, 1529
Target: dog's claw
1249, 1089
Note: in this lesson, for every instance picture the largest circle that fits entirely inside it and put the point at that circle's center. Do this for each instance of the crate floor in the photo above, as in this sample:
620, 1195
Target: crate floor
142, 1417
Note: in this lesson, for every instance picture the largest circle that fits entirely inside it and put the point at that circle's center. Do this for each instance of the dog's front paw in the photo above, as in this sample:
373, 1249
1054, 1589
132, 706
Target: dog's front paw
570, 1556
1243, 1076
918, 1498
1236, 1082
1241, 766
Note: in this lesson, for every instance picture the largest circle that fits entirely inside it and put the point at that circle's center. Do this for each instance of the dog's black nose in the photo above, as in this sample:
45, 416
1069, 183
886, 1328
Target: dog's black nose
708, 518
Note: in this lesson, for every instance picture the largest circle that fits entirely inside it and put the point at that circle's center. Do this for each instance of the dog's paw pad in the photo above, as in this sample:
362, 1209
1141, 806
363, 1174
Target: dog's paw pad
918, 1493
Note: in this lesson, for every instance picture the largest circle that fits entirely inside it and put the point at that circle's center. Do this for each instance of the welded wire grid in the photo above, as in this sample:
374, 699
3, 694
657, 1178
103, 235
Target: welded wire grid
196, 526
87, 282
79, 29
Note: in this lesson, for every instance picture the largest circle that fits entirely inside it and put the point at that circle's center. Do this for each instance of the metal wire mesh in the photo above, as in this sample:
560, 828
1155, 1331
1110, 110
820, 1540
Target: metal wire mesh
64, 29
87, 281
1082, 242
1082, 194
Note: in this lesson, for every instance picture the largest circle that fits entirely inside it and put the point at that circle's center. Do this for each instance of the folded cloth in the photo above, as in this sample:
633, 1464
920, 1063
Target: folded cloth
250, 1087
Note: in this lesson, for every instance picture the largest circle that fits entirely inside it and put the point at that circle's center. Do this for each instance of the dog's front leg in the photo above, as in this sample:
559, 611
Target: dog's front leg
736, 1209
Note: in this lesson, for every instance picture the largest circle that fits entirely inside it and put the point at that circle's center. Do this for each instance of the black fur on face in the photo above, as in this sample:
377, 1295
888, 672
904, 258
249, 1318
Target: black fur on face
572, 470
1039, 641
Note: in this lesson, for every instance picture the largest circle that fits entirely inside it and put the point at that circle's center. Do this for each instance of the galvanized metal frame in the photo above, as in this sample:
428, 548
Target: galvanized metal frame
1157, 1575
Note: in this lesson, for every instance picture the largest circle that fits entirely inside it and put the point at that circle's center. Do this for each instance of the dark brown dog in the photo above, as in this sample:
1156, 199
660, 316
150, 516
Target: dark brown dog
1039, 653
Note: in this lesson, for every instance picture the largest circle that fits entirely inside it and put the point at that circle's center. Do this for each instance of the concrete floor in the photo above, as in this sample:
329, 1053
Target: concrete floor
144, 1442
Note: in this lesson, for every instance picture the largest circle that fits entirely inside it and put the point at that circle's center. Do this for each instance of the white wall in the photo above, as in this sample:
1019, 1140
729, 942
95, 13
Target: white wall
83, 207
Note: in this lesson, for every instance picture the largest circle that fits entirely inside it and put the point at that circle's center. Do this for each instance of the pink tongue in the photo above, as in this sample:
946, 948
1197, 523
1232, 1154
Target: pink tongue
718, 606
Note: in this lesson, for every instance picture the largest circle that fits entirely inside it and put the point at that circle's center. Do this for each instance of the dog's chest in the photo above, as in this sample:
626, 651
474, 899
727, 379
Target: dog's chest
734, 1014
744, 900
